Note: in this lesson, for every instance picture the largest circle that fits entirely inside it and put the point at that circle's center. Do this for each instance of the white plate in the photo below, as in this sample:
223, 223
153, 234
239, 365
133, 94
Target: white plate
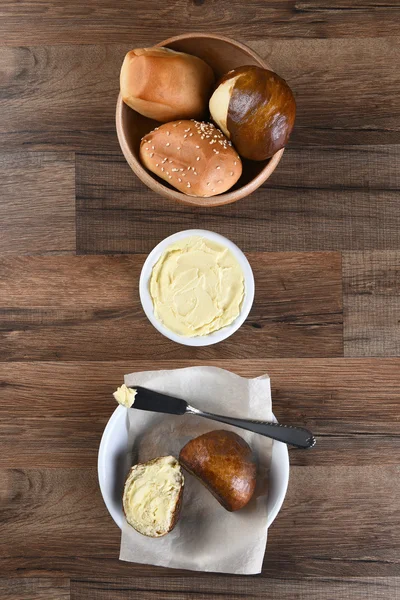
113, 467
147, 302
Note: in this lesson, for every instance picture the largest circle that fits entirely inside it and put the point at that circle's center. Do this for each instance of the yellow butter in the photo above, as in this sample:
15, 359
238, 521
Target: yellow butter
125, 396
197, 287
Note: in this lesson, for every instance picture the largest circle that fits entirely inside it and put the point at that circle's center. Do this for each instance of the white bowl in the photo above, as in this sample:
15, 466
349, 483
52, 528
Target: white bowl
113, 465
147, 302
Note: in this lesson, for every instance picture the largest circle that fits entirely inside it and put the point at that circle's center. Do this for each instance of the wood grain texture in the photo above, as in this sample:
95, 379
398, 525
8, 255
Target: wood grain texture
54, 520
372, 303
317, 199
104, 21
181, 588
351, 405
37, 203
88, 307
35, 588
64, 97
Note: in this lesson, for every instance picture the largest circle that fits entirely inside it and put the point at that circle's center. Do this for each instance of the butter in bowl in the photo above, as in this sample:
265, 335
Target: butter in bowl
196, 287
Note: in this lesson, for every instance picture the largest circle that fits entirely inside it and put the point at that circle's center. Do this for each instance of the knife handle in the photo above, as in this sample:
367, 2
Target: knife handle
295, 436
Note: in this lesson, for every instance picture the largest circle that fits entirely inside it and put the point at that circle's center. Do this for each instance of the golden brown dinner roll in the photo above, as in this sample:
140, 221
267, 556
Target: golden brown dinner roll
165, 85
256, 109
153, 495
225, 463
194, 157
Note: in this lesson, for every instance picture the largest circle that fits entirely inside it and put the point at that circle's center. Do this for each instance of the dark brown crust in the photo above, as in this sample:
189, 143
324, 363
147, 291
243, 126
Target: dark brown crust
225, 464
178, 503
261, 112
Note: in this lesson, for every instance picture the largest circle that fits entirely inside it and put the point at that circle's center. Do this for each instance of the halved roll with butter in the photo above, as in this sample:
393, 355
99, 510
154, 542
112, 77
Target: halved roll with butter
153, 496
193, 156
164, 85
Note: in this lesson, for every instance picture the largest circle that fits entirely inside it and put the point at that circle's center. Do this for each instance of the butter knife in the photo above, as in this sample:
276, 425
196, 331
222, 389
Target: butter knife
146, 399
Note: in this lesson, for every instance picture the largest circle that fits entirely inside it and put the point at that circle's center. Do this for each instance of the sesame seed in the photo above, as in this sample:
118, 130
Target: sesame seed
194, 173
167, 172
188, 184
213, 190
186, 130
183, 174
181, 169
162, 168
218, 167
153, 147
174, 170
174, 125
197, 157
169, 177
167, 144
168, 133
219, 181
235, 163
189, 168
156, 164
164, 160
190, 134
208, 183
231, 173
151, 154
178, 148
180, 180
197, 146
185, 136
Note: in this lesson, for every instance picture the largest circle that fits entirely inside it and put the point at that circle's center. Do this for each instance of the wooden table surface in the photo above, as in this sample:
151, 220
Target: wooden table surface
322, 235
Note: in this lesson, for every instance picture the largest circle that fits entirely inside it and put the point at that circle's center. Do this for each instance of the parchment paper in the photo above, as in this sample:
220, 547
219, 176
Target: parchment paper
207, 537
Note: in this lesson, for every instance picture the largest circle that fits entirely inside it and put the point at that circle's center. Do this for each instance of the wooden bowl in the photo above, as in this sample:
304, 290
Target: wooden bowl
222, 54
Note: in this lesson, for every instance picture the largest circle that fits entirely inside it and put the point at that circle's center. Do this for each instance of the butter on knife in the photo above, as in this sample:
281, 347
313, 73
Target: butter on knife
125, 396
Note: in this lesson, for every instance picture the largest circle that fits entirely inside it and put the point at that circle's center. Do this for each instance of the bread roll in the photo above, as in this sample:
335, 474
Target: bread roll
194, 157
225, 463
153, 495
256, 109
165, 85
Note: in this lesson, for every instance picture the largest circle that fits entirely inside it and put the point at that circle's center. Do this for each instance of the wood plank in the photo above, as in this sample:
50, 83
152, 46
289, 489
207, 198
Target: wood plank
336, 522
351, 405
318, 199
37, 207
237, 588
88, 307
63, 97
372, 303
34, 588
102, 21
